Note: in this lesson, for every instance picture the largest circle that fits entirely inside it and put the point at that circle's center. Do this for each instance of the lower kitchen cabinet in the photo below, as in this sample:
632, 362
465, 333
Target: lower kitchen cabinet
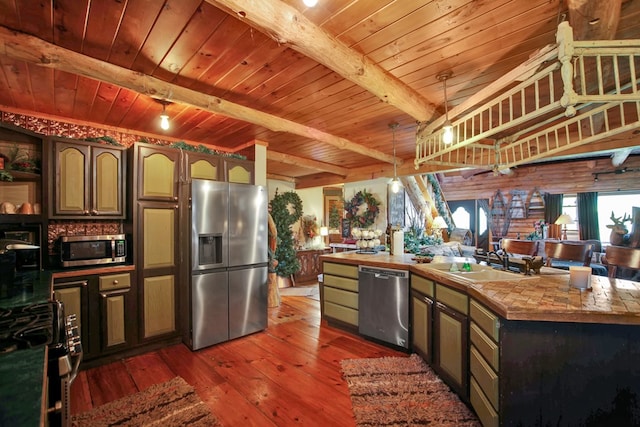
117, 313
159, 305
105, 309
484, 361
339, 290
422, 293
450, 338
74, 295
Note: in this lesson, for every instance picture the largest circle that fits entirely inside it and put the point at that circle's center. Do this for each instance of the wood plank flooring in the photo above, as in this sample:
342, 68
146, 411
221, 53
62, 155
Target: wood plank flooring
287, 375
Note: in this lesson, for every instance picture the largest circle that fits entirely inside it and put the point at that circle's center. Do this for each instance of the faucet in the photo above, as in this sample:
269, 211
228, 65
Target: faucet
504, 259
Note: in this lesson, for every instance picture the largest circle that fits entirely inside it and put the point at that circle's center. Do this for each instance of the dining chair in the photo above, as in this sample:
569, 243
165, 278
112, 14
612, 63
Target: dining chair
623, 257
521, 247
572, 252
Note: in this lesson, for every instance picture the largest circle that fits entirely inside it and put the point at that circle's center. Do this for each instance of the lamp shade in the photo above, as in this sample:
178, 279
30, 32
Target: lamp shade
324, 231
439, 223
564, 219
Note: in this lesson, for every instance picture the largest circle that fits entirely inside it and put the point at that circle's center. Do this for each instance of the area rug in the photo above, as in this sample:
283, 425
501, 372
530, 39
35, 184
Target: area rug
173, 403
402, 391
301, 291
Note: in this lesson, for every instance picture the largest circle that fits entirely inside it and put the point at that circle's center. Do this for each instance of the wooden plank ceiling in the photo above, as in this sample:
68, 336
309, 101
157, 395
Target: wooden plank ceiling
319, 85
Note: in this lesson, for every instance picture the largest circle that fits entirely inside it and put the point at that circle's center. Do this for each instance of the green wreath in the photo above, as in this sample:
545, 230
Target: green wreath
285, 253
366, 219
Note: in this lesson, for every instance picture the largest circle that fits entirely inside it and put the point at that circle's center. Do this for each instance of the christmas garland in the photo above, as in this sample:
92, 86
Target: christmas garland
368, 218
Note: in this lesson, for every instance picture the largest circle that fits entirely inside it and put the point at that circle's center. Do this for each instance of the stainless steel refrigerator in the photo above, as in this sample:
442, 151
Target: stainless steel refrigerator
228, 290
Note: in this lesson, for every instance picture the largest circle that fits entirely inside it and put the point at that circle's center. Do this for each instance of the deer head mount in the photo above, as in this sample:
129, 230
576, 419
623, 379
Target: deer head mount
618, 226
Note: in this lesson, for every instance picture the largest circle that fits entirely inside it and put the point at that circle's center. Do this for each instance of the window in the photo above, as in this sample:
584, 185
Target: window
618, 204
570, 207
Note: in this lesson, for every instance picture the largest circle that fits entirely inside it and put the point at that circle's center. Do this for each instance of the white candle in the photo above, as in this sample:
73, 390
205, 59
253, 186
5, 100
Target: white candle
580, 277
398, 243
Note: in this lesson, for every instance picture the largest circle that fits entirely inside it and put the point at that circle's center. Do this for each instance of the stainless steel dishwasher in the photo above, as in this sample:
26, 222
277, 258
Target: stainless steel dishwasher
383, 305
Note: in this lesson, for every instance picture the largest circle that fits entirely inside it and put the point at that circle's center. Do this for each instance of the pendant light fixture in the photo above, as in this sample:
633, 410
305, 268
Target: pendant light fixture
447, 129
164, 117
395, 183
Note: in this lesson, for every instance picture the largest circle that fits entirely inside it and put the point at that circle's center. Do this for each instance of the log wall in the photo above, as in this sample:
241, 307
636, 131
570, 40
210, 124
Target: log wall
570, 177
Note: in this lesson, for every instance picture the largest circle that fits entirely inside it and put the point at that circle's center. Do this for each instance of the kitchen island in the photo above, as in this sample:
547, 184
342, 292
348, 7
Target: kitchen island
522, 350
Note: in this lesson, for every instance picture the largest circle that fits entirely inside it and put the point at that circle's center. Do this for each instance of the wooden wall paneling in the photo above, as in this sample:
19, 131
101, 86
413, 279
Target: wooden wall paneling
557, 178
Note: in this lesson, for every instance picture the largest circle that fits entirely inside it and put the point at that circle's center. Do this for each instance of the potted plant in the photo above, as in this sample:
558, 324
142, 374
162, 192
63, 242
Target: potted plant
286, 209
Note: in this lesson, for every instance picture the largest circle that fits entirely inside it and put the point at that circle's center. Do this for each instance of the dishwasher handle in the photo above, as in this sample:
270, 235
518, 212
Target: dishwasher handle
383, 273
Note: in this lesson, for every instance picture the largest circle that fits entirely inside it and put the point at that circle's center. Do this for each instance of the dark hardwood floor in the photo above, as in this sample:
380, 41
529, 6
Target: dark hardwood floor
287, 375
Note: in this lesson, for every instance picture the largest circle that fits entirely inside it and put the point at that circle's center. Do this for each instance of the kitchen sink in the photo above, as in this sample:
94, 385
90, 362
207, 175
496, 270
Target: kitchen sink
480, 273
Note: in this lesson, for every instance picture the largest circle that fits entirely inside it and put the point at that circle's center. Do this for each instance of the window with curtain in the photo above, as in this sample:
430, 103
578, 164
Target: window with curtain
618, 204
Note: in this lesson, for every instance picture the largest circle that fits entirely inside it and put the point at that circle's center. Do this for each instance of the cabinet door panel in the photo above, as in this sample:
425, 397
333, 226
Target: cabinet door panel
421, 309
107, 197
451, 352
159, 239
204, 170
72, 171
157, 174
159, 305
114, 319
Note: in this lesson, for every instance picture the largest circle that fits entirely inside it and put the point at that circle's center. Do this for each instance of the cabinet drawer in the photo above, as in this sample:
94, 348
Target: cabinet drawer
338, 296
485, 346
114, 281
341, 282
484, 375
422, 285
338, 312
454, 299
488, 416
340, 269
488, 322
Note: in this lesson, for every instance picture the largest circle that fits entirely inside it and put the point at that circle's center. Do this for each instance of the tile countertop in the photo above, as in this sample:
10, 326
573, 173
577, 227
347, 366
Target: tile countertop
544, 297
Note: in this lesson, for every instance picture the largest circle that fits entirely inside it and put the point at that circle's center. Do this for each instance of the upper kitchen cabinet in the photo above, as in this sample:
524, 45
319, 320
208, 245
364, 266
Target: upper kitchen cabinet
89, 180
239, 171
158, 170
21, 184
202, 166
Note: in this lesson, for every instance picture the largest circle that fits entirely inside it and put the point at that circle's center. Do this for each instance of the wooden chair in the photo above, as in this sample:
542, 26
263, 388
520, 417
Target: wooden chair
621, 256
575, 252
521, 247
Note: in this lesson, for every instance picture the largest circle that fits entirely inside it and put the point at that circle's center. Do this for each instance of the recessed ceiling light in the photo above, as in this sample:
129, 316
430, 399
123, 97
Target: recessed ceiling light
310, 3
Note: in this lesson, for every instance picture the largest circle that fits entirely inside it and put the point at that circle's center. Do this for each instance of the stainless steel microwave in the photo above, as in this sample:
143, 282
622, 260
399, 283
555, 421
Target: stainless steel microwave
78, 251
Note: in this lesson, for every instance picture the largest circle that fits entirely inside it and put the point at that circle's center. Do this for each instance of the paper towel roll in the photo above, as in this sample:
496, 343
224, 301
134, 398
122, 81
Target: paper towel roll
398, 243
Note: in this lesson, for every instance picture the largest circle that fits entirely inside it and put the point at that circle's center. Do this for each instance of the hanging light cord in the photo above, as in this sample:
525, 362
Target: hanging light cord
393, 127
446, 103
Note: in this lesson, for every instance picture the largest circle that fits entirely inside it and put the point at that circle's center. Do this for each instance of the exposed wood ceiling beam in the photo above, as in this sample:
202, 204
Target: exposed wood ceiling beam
307, 163
281, 178
286, 25
31, 49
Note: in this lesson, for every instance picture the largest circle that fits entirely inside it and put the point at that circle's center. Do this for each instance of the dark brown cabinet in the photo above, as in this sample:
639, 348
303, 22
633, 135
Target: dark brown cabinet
310, 265
88, 181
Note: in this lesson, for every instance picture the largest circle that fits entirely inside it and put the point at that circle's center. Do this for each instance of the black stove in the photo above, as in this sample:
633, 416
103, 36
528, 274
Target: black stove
27, 326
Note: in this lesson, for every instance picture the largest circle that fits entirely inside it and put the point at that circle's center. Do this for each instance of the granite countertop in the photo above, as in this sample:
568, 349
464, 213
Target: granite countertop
542, 297
22, 372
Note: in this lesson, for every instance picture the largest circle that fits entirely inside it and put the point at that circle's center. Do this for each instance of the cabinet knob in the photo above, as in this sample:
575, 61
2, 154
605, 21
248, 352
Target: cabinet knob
115, 282
175, 198
86, 212
94, 212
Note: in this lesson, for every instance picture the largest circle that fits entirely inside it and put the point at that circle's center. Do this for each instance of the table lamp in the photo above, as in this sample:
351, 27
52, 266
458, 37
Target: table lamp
563, 220
324, 232
438, 225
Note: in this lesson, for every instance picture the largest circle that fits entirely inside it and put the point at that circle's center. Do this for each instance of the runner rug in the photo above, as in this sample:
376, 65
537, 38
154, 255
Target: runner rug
173, 403
402, 391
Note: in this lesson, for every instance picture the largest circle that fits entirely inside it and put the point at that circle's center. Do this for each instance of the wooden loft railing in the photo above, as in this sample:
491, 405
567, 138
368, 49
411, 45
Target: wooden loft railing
589, 91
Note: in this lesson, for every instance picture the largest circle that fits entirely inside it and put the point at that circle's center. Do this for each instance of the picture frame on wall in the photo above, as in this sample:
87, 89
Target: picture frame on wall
395, 207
